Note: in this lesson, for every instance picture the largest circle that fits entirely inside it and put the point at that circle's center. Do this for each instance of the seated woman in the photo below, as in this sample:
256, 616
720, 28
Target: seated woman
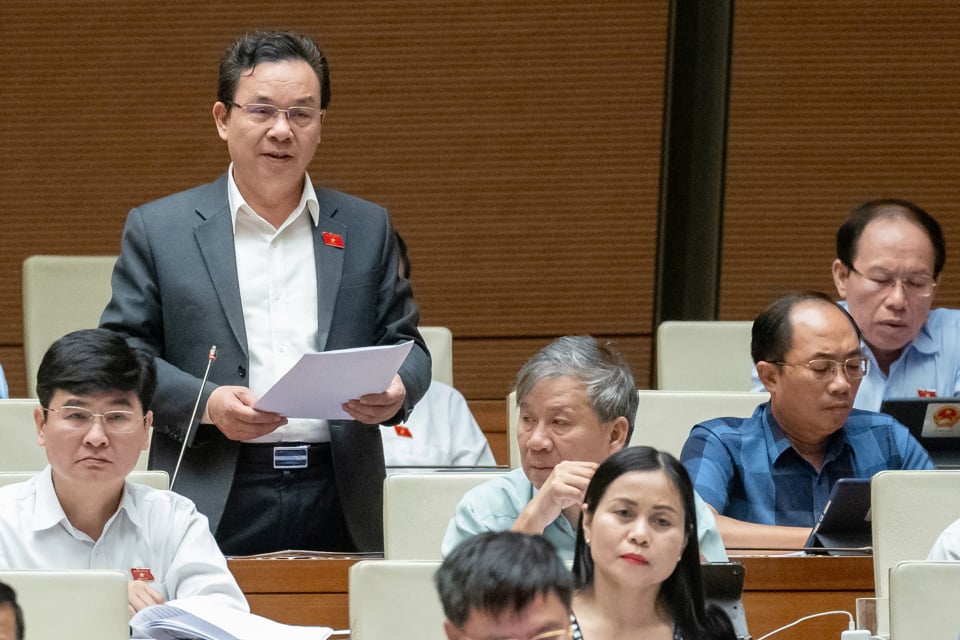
637, 561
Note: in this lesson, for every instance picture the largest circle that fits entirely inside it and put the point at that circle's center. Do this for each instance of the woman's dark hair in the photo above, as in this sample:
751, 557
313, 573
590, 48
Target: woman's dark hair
682, 593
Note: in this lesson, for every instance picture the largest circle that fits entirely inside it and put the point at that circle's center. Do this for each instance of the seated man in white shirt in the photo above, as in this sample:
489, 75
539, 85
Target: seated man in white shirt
440, 432
80, 512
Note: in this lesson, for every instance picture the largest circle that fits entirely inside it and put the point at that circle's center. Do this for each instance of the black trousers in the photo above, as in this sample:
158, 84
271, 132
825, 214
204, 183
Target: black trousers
278, 509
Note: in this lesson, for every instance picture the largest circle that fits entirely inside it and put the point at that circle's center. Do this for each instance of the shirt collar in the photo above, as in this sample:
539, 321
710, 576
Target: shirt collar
308, 199
49, 512
778, 443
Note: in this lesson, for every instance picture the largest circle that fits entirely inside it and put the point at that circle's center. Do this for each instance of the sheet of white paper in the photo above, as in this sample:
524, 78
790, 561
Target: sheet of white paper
320, 383
201, 617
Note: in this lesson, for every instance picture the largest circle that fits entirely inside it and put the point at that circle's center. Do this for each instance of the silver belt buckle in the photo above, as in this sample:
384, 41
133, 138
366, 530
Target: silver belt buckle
290, 457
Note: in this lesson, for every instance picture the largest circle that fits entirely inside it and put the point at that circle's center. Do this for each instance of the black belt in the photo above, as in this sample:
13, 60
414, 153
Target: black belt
286, 455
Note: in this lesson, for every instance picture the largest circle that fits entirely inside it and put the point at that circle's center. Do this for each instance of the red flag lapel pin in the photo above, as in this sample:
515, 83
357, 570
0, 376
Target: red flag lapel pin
142, 574
333, 239
403, 431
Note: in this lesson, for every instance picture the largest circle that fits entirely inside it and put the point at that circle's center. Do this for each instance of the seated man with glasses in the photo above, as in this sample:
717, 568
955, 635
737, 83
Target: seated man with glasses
768, 476
505, 585
80, 512
889, 257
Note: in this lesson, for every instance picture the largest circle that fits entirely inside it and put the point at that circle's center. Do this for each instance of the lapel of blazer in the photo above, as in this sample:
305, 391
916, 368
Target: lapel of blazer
329, 261
214, 235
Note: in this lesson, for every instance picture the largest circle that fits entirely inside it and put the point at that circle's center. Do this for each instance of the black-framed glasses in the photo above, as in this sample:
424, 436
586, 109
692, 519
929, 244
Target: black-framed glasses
263, 113
853, 368
557, 634
118, 421
916, 286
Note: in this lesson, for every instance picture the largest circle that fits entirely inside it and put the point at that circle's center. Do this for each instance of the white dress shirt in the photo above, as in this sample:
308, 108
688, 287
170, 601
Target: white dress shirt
156, 530
440, 432
277, 273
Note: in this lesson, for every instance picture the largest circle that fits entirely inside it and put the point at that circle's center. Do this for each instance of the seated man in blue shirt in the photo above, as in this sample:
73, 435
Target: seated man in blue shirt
889, 257
578, 403
768, 476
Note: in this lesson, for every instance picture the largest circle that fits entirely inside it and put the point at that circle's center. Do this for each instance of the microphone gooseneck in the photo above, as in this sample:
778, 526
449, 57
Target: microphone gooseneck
186, 436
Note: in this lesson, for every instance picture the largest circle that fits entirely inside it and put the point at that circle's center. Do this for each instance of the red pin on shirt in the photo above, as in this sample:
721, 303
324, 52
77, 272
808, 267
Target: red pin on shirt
333, 239
402, 431
143, 574
926, 393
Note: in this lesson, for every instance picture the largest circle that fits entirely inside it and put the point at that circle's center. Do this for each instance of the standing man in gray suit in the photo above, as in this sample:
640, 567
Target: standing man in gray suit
267, 266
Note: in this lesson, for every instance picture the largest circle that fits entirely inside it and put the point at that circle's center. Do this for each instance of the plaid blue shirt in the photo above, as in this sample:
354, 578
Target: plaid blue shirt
746, 468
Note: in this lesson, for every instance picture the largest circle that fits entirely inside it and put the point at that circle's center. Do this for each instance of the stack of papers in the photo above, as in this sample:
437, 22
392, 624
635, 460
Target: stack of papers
320, 383
203, 619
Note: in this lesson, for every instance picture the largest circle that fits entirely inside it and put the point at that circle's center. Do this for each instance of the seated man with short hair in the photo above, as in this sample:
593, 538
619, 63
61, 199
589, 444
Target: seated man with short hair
769, 476
80, 512
505, 585
578, 403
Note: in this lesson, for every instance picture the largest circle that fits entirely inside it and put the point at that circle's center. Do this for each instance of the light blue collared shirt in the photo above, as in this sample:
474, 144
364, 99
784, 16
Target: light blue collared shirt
496, 504
4, 391
931, 362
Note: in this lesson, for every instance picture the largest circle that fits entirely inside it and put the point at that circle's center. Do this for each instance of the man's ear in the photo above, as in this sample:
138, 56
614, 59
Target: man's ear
618, 434
220, 116
452, 632
769, 374
841, 273
147, 423
41, 423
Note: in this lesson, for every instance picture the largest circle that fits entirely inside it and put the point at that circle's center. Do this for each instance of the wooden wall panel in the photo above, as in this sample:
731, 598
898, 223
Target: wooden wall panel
516, 144
833, 104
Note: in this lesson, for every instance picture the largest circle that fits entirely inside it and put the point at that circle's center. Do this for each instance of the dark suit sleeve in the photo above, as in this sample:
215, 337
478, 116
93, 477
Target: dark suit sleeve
399, 317
135, 310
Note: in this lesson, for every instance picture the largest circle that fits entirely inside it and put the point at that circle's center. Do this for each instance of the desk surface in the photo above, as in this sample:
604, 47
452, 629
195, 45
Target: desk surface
777, 591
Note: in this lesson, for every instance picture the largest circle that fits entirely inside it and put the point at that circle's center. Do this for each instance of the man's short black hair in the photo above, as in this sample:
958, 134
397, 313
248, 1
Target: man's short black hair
9, 597
251, 49
848, 235
494, 572
772, 331
93, 361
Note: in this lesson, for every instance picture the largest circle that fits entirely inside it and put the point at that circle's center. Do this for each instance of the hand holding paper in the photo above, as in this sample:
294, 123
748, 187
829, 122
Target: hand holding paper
322, 384
375, 408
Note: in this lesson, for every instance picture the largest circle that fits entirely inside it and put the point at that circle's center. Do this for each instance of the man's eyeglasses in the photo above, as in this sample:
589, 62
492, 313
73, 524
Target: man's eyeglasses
853, 368
915, 286
557, 634
116, 422
263, 113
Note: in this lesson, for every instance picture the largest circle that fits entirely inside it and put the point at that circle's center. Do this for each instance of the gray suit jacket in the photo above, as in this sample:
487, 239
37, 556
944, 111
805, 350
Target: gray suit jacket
175, 293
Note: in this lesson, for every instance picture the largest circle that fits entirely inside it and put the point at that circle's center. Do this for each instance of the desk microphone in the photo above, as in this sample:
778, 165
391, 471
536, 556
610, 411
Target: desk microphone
186, 437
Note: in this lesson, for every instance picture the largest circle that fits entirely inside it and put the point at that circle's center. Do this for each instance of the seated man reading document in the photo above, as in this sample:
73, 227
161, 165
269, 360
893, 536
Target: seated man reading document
578, 402
889, 257
768, 476
80, 512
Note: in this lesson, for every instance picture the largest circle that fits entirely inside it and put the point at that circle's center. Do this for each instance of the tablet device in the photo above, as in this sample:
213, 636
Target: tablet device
935, 422
843, 527
723, 586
